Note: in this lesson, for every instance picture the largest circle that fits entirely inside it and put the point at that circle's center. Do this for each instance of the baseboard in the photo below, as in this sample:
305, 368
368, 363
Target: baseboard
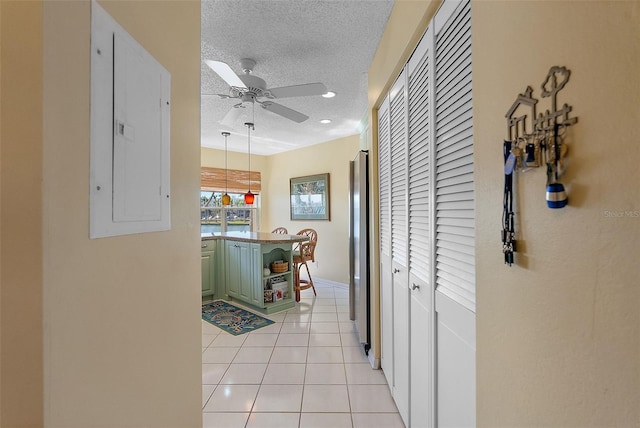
328, 282
375, 362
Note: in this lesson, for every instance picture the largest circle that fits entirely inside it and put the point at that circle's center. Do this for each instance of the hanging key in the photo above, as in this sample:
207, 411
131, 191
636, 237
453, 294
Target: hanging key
507, 249
512, 242
508, 246
508, 258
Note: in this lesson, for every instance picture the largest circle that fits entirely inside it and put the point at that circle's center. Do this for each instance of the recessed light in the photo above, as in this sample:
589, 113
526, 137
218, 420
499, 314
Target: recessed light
325, 121
329, 94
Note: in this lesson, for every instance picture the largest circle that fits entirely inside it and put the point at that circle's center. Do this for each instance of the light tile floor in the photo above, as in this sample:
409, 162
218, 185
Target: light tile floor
306, 370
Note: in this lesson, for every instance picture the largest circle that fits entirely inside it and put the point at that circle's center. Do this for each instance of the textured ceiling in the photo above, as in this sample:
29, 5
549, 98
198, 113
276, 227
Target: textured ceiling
293, 42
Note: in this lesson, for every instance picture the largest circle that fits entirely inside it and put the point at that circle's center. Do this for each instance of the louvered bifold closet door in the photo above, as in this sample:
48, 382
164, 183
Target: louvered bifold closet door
454, 198
386, 281
419, 164
399, 244
384, 178
398, 116
421, 407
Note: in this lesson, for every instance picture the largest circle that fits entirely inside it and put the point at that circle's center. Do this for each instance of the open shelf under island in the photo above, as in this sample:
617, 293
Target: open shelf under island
237, 266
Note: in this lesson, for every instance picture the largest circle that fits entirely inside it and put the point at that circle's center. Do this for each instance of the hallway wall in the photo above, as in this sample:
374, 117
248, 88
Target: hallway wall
558, 333
121, 314
21, 328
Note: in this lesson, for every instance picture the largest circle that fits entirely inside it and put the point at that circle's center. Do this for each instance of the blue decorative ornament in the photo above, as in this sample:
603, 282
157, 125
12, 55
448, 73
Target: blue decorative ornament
556, 196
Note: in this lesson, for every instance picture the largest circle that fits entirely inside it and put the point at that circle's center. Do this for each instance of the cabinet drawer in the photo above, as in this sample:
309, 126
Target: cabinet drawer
208, 245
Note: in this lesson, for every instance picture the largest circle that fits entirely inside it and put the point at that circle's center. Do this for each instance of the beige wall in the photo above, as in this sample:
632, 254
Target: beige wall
404, 29
121, 315
332, 252
21, 334
235, 160
558, 334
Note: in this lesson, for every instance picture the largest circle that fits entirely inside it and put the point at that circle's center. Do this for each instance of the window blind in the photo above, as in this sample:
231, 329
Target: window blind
215, 180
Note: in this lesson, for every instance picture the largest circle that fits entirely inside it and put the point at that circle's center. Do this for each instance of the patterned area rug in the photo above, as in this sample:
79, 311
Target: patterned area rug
232, 319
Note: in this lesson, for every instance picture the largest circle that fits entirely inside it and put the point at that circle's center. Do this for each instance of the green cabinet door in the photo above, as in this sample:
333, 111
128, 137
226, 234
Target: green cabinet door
246, 272
255, 280
208, 265
233, 268
243, 270
208, 274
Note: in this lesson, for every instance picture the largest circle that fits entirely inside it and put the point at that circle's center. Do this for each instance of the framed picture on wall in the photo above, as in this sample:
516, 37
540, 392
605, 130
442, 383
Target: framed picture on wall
309, 197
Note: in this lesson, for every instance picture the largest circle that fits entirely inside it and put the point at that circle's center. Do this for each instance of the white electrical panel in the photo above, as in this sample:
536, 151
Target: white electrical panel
130, 144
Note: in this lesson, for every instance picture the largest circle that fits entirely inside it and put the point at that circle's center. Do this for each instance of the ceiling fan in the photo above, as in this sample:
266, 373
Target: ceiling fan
250, 88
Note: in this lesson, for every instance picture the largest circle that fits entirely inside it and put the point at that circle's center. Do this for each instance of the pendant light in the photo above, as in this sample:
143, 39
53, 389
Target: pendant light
226, 199
249, 197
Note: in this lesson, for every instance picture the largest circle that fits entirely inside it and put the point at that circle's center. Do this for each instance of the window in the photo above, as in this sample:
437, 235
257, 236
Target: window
237, 217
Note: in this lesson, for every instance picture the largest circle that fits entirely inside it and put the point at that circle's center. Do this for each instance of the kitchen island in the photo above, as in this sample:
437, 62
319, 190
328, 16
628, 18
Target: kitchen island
240, 266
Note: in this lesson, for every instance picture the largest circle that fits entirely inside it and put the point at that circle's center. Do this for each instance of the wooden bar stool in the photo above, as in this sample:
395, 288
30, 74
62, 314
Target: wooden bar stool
305, 252
280, 230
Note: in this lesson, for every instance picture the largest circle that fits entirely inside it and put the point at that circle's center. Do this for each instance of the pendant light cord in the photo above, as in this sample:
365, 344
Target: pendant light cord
250, 125
253, 121
226, 199
226, 169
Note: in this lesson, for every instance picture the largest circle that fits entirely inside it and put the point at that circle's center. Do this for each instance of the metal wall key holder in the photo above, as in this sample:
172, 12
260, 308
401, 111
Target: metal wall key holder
535, 140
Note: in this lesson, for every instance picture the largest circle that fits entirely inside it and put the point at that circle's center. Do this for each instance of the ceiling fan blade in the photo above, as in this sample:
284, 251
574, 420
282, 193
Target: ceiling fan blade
284, 111
217, 95
298, 90
223, 70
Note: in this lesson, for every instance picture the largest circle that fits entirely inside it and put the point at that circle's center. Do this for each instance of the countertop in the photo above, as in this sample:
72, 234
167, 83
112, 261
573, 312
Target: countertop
259, 237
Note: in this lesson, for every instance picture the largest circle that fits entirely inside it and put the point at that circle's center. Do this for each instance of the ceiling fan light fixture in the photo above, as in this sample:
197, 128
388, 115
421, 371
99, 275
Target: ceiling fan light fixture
247, 65
329, 94
325, 121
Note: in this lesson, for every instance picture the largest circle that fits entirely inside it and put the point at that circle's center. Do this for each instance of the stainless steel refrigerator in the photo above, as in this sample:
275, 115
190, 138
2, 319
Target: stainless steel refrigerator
359, 247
